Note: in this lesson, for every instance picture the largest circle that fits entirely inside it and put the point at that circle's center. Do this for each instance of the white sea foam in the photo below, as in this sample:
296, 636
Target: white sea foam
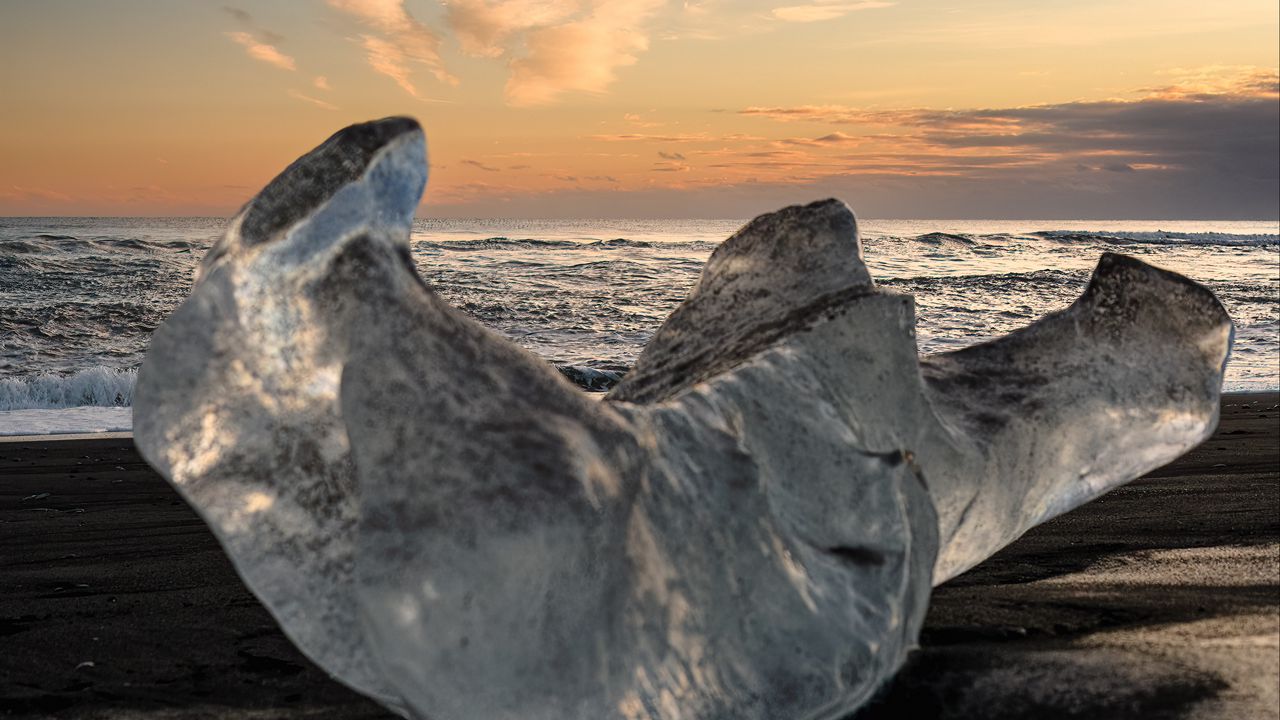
63, 421
92, 387
76, 420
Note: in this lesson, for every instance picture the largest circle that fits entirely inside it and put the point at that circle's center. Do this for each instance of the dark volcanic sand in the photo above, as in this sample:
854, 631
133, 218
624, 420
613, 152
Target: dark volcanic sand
1159, 600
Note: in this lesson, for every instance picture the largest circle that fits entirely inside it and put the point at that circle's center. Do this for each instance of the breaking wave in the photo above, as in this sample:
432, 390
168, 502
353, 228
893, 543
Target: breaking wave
942, 238
91, 387
113, 387
1160, 237
591, 379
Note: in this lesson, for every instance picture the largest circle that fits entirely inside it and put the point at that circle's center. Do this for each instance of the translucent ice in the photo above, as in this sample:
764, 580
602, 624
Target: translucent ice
237, 401
747, 527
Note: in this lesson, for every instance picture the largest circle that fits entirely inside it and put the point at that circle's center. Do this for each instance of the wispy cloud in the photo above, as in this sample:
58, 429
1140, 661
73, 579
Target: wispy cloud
485, 27
246, 21
384, 57
581, 56
395, 41
1045, 25
321, 83
835, 138
298, 95
1206, 82
815, 113
482, 166
639, 121
643, 137
260, 43
27, 194
671, 166
824, 10
556, 46
239, 14
262, 51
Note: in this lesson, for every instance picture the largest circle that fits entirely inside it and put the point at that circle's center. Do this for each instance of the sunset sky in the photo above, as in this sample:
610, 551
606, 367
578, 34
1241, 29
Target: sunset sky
656, 108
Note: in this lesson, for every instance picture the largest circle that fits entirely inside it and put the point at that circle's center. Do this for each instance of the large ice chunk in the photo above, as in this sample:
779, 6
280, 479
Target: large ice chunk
747, 527
1123, 381
743, 548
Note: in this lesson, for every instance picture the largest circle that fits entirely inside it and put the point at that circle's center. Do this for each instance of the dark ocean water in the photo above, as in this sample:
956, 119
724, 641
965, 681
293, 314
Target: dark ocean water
79, 297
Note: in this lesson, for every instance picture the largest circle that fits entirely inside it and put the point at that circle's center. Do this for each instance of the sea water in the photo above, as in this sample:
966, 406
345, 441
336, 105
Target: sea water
79, 297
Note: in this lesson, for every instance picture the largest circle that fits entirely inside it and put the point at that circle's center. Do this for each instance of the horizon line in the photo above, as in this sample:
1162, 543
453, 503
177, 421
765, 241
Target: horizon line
1275, 219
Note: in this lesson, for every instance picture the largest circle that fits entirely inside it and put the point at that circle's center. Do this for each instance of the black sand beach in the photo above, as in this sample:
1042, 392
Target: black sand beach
1160, 600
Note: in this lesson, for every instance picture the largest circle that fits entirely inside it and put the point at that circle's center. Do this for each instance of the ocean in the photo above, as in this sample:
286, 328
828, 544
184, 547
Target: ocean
79, 297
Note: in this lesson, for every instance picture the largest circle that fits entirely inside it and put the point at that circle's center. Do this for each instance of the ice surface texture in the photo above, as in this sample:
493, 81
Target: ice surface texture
748, 526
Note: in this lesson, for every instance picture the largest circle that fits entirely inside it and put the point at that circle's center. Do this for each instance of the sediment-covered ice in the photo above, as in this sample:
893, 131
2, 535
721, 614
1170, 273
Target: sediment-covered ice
748, 526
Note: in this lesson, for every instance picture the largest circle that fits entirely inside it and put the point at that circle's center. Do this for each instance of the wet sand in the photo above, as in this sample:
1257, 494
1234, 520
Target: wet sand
1160, 600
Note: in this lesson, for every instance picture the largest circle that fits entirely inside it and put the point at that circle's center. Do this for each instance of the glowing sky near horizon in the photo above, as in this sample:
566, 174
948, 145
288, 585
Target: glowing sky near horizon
655, 108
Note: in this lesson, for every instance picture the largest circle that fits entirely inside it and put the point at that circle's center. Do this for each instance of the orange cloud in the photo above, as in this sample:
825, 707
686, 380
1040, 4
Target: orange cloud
581, 56
1239, 80
395, 41
820, 11
385, 58
638, 120
482, 166
670, 166
642, 137
554, 46
483, 27
835, 138
297, 95
262, 51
